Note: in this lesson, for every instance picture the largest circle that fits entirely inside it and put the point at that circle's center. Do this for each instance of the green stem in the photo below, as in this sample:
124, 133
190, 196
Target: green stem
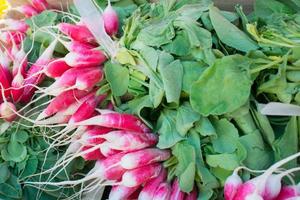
267, 66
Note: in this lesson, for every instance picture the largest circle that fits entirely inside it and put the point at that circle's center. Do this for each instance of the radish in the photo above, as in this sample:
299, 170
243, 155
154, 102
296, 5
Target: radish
287, 192
5, 82
61, 102
107, 151
138, 176
14, 25
116, 120
144, 157
162, 192
12, 37
192, 196
232, 183
40, 5
176, 192
77, 32
56, 68
129, 141
88, 58
111, 20
32, 79
87, 108
256, 187
150, 187
94, 155
27, 10
121, 192
7, 111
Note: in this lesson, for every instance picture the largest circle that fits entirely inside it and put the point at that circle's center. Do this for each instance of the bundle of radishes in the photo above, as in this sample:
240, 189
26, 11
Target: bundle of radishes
267, 186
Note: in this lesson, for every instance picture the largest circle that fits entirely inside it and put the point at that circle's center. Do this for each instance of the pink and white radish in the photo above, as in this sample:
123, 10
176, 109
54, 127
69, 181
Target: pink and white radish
162, 192
176, 192
111, 20
120, 192
232, 183
144, 157
89, 58
192, 196
27, 9
7, 111
287, 192
14, 25
40, 5
56, 68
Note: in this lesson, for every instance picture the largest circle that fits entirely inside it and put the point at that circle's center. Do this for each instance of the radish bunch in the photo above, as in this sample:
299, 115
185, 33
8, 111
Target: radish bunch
33, 8
267, 186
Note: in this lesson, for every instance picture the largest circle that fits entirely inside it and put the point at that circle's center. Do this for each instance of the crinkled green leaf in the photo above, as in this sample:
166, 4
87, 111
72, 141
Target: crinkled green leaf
186, 117
185, 180
225, 161
205, 127
191, 73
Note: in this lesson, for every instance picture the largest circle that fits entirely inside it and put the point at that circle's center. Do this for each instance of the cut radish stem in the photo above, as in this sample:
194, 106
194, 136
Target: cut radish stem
77, 32
88, 58
116, 120
144, 157
7, 111
193, 195
232, 183
150, 187
111, 20
176, 192
121, 192
162, 192
138, 176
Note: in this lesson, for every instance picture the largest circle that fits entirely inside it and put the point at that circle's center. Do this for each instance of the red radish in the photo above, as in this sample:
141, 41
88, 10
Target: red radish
40, 5
162, 192
150, 187
5, 82
256, 187
118, 121
192, 196
27, 10
5, 60
121, 192
88, 58
144, 157
94, 155
90, 136
14, 25
138, 176
287, 192
12, 37
86, 110
88, 80
107, 151
79, 47
176, 192
7, 111
32, 79
129, 141
79, 33
111, 20
232, 183
56, 68
61, 102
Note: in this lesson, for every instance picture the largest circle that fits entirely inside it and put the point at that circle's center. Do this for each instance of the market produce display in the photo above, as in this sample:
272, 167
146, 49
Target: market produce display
165, 100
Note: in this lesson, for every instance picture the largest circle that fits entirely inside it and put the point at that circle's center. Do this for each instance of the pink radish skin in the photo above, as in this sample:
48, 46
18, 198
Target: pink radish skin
162, 192
150, 187
77, 47
79, 33
287, 192
94, 155
145, 157
15, 25
111, 20
232, 183
138, 176
88, 80
56, 68
40, 5
5, 82
118, 121
256, 187
62, 102
192, 196
33, 79
12, 37
129, 141
107, 151
88, 58
110, 168
176, 192
96, 132
121, 192
6, 111
85, 111
27, 10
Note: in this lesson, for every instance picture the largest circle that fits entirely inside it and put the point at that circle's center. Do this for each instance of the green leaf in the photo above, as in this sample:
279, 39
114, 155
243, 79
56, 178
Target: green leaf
265, 9
288, 144
225, 161
180, 46
117, 77
223, 87
21, 136
31, 166
205, 127
166, 126
5, 173
172, 79
156, 94
227, 139
46, 18
229, 33
191, 73
186, 117
185, 180
15, 152
9, 191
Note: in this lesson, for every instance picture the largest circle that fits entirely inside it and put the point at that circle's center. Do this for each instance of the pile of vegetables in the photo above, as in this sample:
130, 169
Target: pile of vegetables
138, 100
